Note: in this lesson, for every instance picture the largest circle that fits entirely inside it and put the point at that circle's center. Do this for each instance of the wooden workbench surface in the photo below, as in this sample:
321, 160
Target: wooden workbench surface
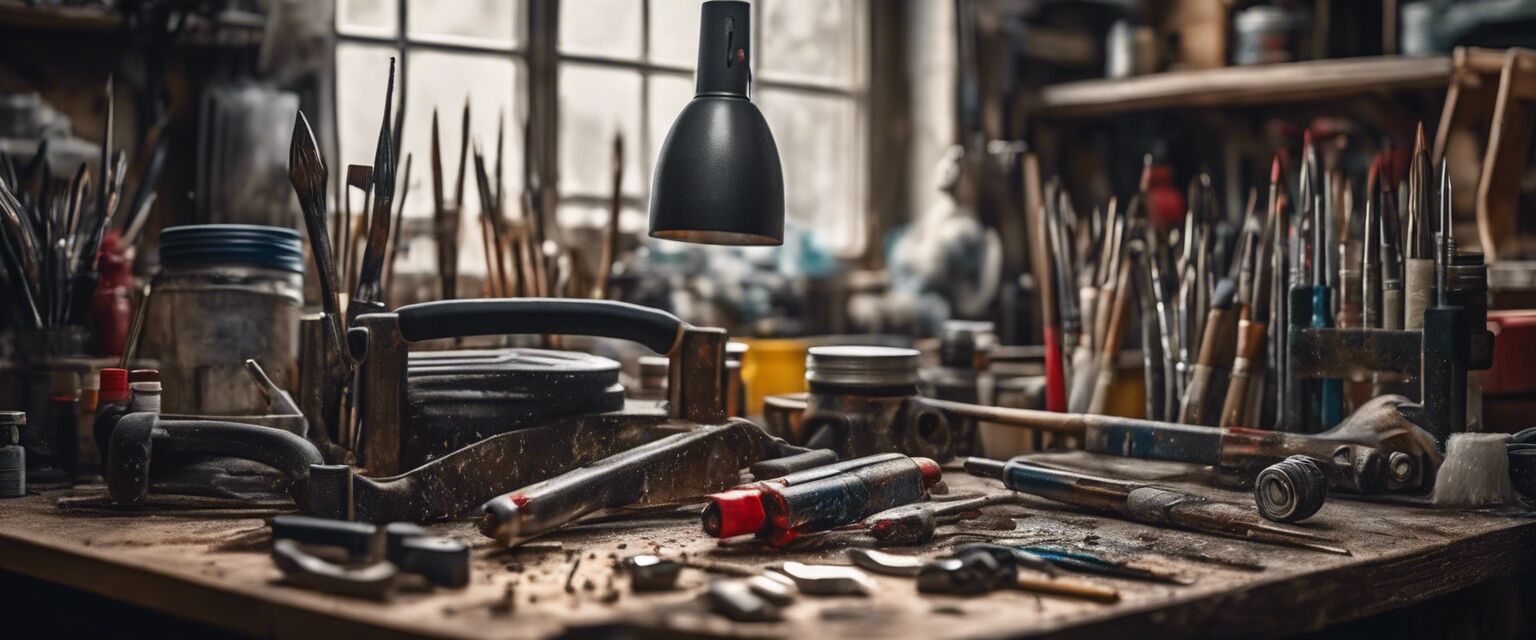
214, 569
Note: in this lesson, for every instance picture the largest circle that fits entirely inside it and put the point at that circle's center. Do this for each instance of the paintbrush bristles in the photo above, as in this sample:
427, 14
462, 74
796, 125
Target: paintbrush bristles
1475, 472
306, 168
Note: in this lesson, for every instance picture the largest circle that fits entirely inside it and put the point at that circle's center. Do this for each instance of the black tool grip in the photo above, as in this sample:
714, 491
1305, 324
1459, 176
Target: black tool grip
653, 328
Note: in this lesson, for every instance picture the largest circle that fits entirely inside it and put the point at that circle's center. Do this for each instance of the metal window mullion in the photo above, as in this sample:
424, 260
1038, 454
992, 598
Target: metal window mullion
643, 136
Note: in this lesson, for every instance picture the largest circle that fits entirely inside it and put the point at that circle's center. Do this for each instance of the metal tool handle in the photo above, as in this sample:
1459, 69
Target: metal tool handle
138, 436
653, 328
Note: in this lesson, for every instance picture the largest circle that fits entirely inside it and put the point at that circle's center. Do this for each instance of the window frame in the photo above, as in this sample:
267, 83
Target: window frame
536, 28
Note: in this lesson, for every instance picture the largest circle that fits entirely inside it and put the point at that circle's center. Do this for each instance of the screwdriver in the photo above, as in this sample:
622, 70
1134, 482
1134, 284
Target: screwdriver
1143, 503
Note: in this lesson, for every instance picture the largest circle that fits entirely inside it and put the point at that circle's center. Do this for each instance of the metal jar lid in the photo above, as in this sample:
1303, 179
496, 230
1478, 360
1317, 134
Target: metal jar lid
11, 423
862, 366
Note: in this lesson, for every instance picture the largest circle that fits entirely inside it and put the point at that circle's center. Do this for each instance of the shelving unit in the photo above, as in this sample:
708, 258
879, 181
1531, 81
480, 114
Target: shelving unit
1282, 83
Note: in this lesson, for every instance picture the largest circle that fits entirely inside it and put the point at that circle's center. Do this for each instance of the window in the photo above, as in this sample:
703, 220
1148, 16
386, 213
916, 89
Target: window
627, 66
623, 66
450, 52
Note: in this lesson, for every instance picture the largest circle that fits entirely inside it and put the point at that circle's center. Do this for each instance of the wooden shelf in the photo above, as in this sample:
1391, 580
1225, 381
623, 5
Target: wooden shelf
1243, 86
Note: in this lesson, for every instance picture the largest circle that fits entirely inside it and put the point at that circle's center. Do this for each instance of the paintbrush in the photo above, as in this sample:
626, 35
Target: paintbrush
1152, 357
359, 176
22, 256
150, 154
445, 222
1203, 396
1391, 258
611, 232
395, 228
307, 173
1419, 262
1084, 359
490, 221
1109, 356
368, 297
1370, 254
1145, 503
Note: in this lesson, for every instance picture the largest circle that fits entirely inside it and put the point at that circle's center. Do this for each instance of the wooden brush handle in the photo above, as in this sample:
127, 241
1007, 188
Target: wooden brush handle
1068, 588
1250, 350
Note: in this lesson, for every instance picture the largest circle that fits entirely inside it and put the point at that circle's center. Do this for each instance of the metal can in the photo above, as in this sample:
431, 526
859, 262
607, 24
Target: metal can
224, 293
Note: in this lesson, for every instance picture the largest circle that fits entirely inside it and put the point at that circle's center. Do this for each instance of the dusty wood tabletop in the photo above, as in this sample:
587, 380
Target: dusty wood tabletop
214, 569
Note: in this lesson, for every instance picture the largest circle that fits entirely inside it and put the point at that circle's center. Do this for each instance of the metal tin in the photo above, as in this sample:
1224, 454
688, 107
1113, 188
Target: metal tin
862, 366
205, 321
13, 457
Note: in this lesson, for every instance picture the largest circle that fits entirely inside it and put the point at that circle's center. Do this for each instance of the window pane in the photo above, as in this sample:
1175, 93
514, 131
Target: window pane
669, 94
818, 145
675, 32
442, 81
815, 40
485, 23
367, 18
595, 103
606, 28
362, 73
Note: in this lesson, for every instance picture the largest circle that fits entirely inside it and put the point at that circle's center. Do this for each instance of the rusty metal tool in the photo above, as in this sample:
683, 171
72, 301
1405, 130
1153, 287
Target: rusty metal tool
1377, 449
981, 572
673, 468
828, 580
140, 439
779, 467
1144, 503
886, 564
374, 581
360, 542
915, 524
695, 380
735, 599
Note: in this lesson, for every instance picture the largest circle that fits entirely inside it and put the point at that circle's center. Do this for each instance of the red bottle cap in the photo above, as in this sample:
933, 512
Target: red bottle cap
114, 385
930, 470
734, 513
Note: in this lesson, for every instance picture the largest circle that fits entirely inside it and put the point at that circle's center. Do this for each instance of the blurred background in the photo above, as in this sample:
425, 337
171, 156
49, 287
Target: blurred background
911, 132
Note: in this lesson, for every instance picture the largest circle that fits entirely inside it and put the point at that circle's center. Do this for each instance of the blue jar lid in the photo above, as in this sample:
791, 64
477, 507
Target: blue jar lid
232, 244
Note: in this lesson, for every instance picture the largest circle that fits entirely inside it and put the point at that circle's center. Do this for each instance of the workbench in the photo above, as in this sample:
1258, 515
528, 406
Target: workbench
213, 568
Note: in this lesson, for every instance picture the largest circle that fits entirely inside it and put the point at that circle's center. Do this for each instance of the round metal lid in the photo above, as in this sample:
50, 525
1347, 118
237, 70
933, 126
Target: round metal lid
862, 366
457, 398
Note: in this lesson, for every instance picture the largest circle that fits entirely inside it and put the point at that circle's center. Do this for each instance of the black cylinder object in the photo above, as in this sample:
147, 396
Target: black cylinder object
1290, 490
1522, 471
13, 457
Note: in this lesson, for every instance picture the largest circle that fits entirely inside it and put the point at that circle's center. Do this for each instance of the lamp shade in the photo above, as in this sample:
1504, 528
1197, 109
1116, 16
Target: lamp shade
718, 179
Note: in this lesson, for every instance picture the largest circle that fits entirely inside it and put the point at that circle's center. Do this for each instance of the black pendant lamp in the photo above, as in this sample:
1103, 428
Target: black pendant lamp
718, 179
